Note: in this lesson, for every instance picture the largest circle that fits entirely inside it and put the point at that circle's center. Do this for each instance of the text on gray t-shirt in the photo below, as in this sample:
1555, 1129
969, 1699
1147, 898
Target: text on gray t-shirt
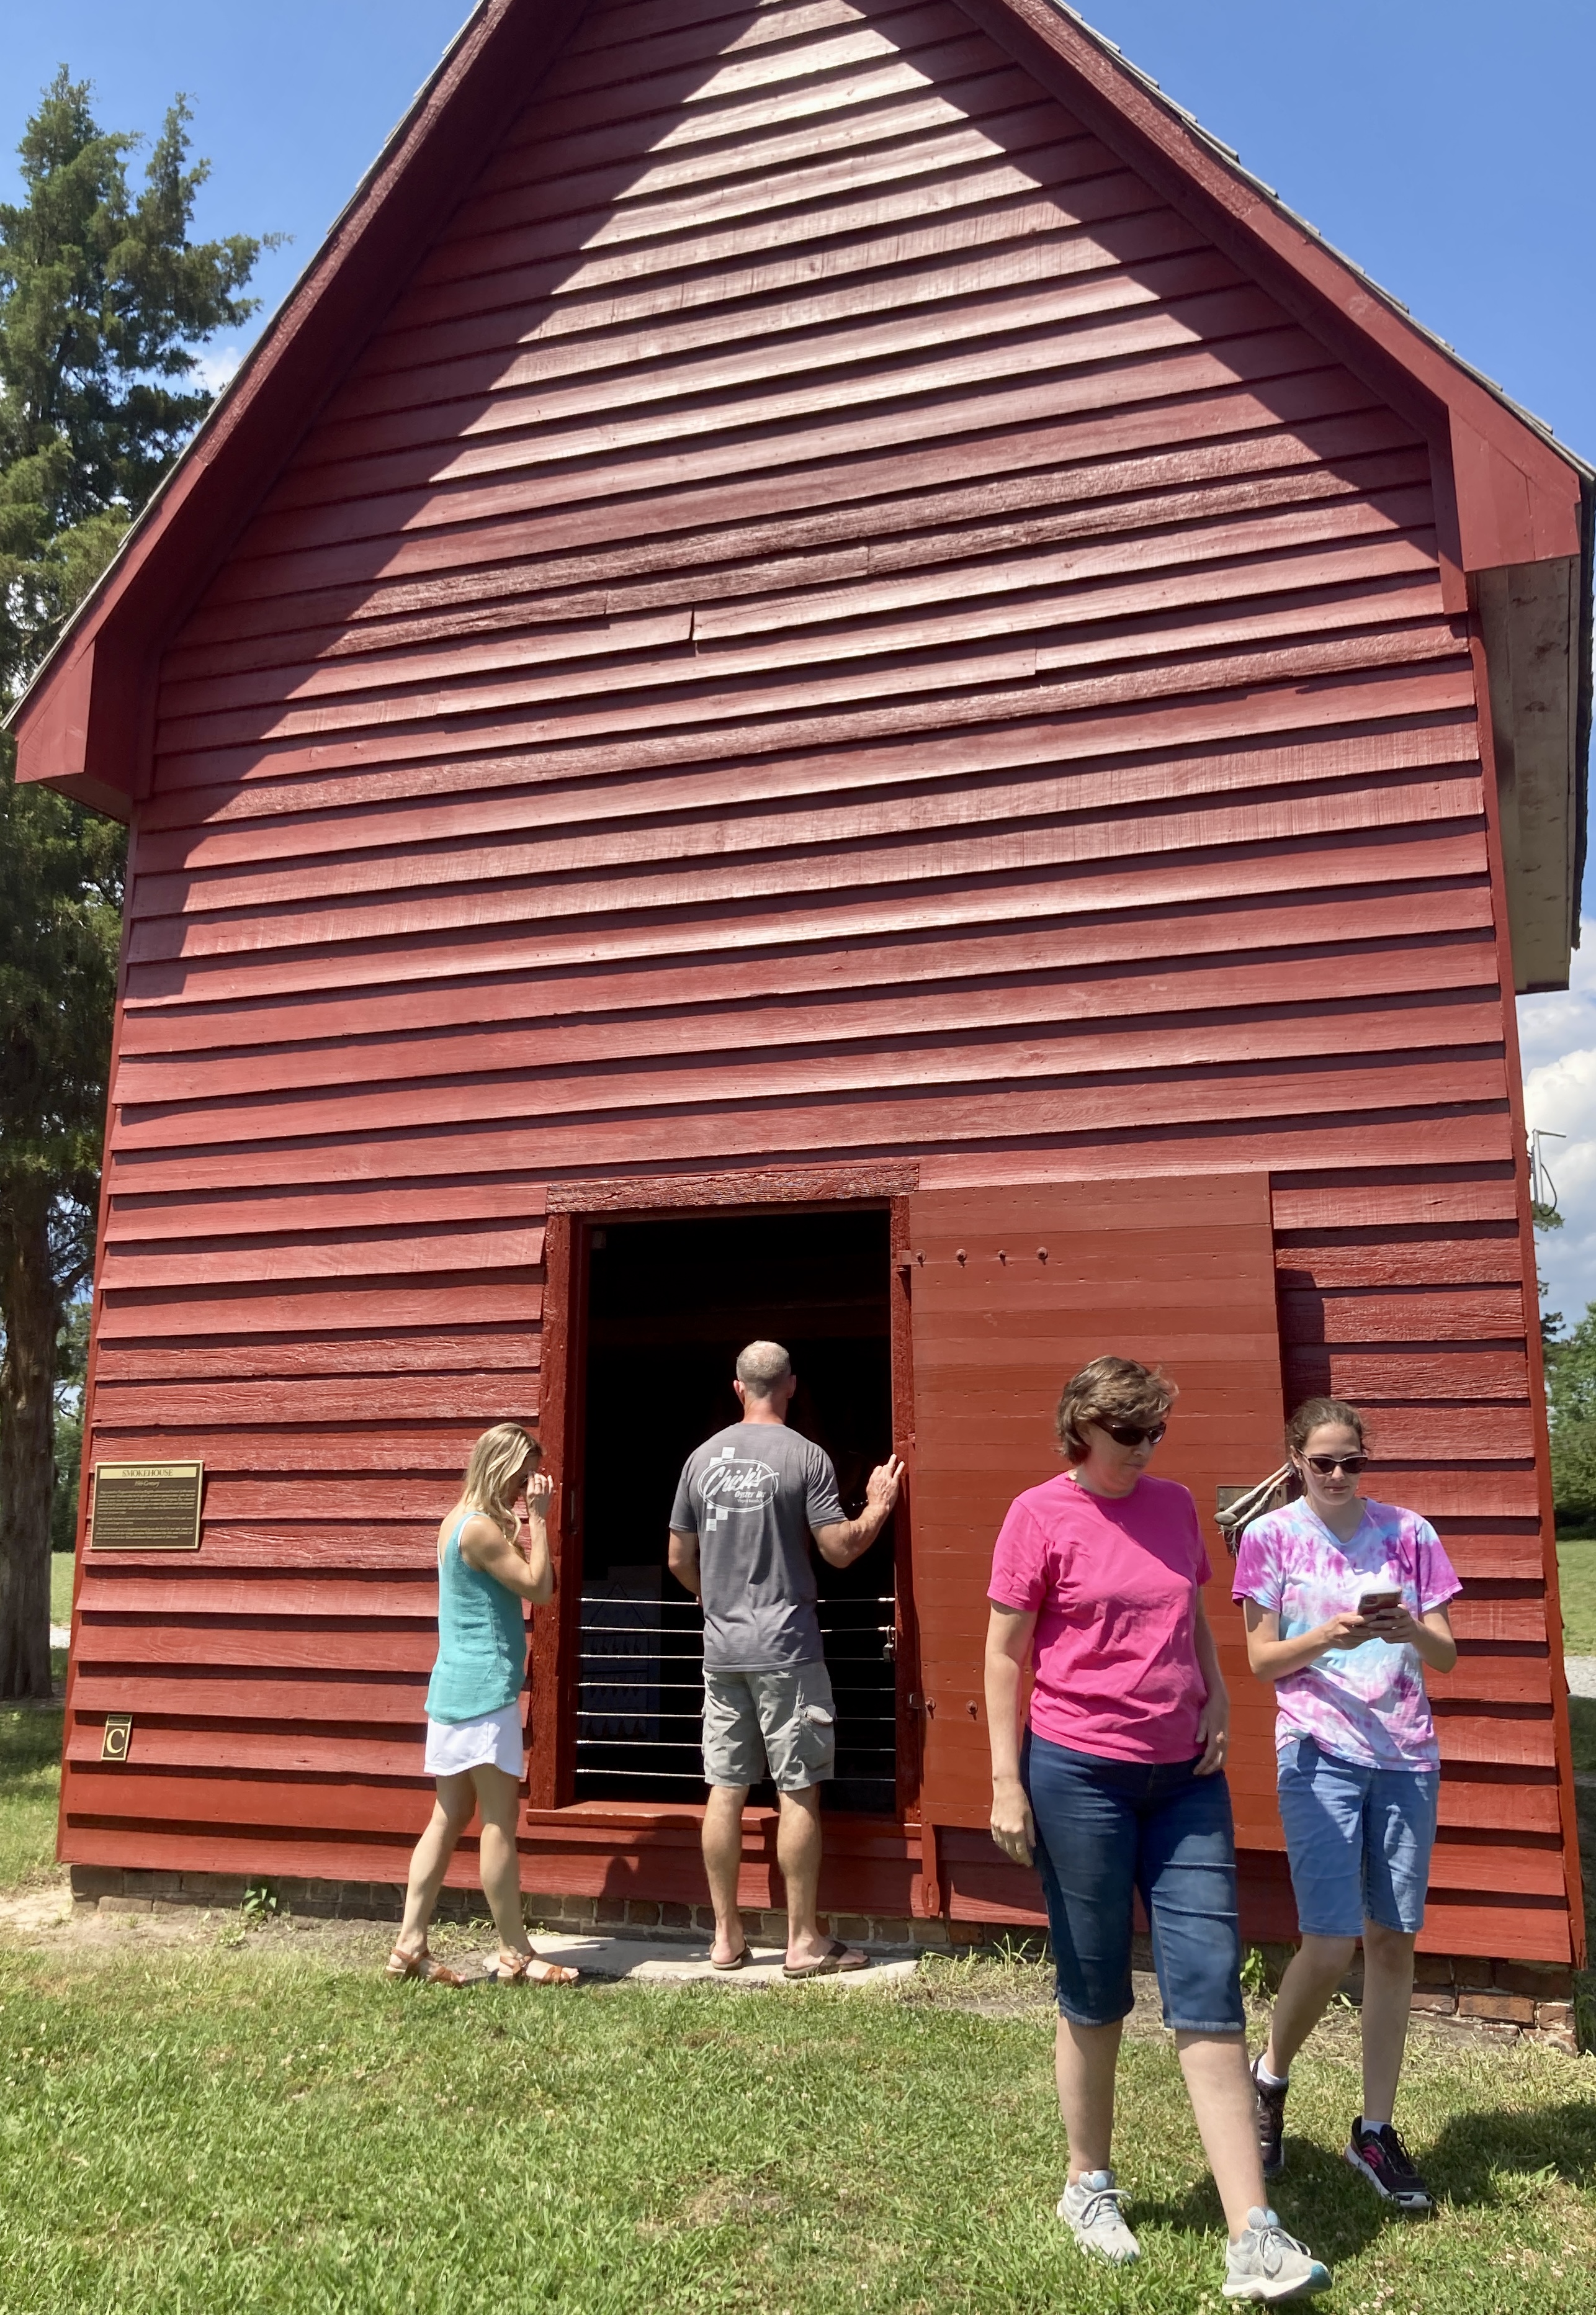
752, 1495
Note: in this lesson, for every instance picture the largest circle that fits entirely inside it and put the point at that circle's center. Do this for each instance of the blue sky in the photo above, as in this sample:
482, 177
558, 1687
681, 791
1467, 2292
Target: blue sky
1443, 144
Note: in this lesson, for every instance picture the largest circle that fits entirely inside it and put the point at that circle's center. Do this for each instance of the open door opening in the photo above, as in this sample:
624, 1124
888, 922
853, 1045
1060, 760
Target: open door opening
668, 1305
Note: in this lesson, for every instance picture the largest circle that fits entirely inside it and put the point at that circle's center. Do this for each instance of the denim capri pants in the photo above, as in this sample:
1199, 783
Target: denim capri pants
1358, 1841
1105, 1829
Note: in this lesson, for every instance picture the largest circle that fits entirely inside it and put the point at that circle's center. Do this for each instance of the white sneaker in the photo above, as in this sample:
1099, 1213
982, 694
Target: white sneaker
1267, 2263
1090, 2209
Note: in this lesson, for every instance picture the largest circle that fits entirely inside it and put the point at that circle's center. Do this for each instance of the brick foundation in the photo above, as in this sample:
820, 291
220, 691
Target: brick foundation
1506, 2001
116, 1889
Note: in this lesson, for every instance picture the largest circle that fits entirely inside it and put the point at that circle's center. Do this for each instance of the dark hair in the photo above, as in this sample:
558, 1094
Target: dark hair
1313, 1412
1111, 1390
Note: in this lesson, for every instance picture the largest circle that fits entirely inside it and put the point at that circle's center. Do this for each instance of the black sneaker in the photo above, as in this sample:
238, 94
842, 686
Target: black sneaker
1388, 2166
1272, 2122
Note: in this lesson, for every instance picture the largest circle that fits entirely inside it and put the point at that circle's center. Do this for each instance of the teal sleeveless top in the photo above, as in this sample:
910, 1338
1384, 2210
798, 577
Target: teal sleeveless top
482, 1640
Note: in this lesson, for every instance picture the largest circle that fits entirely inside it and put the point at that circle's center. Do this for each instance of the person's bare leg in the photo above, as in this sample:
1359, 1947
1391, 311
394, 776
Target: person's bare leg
798, 1853
499, 1858
1223, 2100
1084, 2061
1313, 1973
1388, 2002
723, 1863
451, 1814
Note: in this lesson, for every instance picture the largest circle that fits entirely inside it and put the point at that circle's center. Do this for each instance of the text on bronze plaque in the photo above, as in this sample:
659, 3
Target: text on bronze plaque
146, 1506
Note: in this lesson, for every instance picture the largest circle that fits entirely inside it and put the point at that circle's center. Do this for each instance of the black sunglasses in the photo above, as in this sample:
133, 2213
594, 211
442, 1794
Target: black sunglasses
1325, 1465
1131, 1434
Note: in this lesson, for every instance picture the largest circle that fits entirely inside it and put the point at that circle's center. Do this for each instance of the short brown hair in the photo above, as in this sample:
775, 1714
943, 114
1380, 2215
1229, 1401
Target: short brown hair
1111, 1390
1313, 1412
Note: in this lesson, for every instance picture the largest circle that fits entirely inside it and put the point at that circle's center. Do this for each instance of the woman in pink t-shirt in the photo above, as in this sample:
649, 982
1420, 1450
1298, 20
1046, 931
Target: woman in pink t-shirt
1120, 1787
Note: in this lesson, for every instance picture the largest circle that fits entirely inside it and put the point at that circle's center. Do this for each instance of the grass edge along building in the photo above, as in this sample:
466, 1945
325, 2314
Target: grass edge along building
825, 679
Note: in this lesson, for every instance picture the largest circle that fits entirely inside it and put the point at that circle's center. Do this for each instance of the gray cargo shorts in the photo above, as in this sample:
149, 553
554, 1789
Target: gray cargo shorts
787, 1719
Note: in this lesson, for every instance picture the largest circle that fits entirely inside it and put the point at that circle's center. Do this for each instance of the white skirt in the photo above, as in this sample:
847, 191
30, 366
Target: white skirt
492, 1740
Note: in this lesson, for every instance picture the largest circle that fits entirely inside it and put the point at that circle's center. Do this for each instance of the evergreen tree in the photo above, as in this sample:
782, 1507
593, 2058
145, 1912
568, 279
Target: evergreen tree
104, 300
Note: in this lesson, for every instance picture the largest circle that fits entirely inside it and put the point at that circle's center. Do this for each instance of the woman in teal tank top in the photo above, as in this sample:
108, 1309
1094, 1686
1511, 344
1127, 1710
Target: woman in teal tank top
485, 1575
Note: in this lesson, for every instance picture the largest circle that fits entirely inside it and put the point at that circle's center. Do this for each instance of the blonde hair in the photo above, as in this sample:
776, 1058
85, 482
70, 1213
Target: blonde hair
761, 1367
497, 1461
1111, 1390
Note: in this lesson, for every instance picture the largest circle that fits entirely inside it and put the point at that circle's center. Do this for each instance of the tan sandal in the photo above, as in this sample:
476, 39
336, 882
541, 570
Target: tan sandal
836, 1960
402, 1965
527, 1969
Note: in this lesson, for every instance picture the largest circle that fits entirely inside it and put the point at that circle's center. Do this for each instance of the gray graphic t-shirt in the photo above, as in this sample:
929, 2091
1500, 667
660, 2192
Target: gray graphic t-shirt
752, 1495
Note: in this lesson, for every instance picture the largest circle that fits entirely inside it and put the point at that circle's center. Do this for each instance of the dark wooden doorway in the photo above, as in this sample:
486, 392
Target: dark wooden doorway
664, 1304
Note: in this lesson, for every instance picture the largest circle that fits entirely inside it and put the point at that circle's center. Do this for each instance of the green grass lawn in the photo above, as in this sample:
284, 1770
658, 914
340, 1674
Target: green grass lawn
230, 2130
61, 1566
258, 2125
30, 1787
1577, 1584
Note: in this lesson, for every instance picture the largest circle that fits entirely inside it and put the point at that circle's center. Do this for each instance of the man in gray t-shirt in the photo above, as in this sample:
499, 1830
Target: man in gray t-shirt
746, 1504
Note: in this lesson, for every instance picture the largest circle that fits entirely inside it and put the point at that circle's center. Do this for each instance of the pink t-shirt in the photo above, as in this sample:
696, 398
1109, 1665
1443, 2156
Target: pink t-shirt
1113, 1581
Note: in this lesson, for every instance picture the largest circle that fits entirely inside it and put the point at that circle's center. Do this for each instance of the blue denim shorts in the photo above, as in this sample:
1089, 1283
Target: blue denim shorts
1105, 1829
1358, 1841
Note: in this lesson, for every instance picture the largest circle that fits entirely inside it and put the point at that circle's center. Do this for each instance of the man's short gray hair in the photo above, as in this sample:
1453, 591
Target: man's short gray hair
761, 1367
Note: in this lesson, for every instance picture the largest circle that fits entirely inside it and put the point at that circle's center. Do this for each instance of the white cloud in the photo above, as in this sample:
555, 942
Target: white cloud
1557, 1036
217, 368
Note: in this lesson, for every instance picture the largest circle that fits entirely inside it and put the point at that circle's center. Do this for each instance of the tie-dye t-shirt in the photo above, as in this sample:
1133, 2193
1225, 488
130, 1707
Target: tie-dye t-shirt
1365, 1704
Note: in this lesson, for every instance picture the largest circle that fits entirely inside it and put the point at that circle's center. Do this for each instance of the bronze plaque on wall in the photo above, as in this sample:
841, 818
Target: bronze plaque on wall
146, 1506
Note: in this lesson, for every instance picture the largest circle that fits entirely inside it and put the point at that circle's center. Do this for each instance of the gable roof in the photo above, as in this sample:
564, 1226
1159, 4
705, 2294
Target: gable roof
1516, 540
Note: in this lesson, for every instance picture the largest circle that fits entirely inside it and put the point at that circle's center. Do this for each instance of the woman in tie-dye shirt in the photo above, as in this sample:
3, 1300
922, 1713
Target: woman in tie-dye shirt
1346, 1605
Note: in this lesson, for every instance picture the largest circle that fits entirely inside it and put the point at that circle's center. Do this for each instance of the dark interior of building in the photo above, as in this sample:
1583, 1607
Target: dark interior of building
669, 1305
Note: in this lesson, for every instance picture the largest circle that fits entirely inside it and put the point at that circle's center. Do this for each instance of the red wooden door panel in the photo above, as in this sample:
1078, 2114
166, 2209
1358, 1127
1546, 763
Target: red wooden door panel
1013, 1288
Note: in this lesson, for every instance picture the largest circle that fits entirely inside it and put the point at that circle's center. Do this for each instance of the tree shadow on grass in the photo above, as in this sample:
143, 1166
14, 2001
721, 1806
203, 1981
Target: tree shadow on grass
1480, 2159
1318, 2197
1484, 2160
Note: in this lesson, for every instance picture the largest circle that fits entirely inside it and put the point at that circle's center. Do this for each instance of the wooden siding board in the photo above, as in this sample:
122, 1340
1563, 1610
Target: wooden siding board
828, 621
1016, 556
962, 397
1046, 619
1007, 684
1013, 452
1004, 928
902, 805
1276, 987
1388, 815
175, 1052
498, 794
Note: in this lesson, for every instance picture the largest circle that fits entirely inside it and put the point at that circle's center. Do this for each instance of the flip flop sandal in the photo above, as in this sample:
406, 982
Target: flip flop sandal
402, 1965
529, 1969
736, 1962
837, 1961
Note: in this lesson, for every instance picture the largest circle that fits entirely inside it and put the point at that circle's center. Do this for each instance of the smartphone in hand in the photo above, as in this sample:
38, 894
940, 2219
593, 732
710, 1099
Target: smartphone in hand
1375, 1604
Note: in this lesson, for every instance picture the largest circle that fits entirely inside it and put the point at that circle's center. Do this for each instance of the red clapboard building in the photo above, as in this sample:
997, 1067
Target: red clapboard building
826, 680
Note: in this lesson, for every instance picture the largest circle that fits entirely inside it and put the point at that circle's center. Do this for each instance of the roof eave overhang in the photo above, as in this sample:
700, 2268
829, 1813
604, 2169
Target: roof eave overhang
79, 725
